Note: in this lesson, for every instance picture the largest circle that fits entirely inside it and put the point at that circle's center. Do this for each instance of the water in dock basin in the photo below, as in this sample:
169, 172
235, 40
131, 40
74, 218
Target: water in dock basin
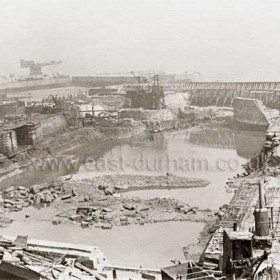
155, 244
151, 245
214, 155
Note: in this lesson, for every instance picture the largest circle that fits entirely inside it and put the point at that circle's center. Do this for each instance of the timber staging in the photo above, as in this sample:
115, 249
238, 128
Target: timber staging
222, 94
129, 81
220, 86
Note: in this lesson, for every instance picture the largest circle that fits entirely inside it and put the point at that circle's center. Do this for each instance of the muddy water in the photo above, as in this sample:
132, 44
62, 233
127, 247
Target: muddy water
215, 155
44, 169
151, 245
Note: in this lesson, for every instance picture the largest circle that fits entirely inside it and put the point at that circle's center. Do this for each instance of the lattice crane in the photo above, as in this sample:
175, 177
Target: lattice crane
36, 68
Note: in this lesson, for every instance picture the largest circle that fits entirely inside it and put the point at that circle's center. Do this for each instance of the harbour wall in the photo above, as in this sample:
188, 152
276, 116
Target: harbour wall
50, 126
101, 81
250, 113
200, 93
225, 97
35, 84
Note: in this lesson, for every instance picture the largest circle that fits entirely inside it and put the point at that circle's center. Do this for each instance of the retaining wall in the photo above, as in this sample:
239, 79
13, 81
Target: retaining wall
8, 142
50, 126
34, 83
96, 81
250, 113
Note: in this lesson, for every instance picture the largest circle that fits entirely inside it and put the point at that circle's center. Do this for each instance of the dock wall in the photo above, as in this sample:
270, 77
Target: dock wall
100, 81
8, 142
50, 126
250, 113
34, 84
27, 134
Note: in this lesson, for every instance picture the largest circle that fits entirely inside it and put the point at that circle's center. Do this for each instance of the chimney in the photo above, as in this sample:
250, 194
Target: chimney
260, 196
261, 217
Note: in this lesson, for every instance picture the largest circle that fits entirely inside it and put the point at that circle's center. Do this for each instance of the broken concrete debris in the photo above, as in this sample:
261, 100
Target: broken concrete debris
93, 207
56, 222
129, 207
17, 198
36, 260
130, 211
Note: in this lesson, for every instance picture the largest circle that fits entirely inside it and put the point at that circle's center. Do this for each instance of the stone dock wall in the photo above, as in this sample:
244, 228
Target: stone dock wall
250, 113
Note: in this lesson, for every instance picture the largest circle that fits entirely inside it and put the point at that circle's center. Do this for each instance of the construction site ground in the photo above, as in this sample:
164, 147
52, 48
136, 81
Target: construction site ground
95, 204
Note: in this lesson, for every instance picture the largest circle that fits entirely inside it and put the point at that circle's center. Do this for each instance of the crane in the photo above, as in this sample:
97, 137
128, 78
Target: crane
36, 68
156, 79
138, 79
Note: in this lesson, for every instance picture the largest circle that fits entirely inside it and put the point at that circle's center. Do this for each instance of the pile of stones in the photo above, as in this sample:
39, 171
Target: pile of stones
17, 198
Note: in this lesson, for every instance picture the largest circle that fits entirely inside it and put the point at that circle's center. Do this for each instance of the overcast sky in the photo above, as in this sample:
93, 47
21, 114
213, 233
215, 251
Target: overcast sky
222, 39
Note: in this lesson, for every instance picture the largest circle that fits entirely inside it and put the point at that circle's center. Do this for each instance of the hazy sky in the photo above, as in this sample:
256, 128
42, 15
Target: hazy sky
222, 39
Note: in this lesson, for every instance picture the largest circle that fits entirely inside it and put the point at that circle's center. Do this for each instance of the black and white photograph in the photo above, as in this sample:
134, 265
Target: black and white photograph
139, 140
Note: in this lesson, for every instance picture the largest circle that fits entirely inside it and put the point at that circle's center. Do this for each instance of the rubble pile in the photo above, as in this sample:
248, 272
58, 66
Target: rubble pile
122, 183
159, 115
268, 160
17, 198
18, 258
99, 203
8, 168
105, 217
105, 213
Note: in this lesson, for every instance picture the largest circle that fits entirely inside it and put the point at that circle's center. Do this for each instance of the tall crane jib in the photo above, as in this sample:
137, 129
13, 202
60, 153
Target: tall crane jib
36, 68
146, 96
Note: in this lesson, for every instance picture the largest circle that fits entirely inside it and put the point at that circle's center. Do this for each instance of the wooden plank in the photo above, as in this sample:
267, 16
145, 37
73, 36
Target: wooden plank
132, 269
19, 271
90, 271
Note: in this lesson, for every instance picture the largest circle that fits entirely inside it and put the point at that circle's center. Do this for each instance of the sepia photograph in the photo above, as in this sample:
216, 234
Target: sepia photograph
139, 140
